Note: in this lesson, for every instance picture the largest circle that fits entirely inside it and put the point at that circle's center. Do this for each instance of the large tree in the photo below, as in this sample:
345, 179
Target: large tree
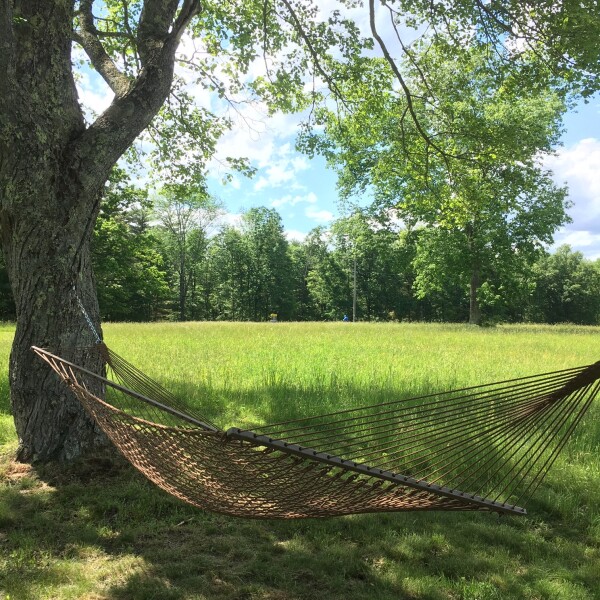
52, 173
481, 181
54, 164
229, 276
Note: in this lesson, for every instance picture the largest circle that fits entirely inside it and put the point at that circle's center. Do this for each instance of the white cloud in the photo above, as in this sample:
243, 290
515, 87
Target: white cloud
231, 220
578, 166
320, 216
275, 176
300, 163
289, 200
586, 242
235, 183
281, 169
579, 238
293, 235
94, 95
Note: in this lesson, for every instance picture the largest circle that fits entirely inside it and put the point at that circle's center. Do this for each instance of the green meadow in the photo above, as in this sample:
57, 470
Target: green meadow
97, 530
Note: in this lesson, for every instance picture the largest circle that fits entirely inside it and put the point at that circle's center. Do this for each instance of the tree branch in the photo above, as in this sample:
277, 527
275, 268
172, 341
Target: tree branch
313, 53
115, 35
188, 11
87, 38
153, 27
160, 25
407, 93
408, 53
105, 140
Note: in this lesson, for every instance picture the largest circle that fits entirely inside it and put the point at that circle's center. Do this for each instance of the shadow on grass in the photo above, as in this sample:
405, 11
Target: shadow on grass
98, 530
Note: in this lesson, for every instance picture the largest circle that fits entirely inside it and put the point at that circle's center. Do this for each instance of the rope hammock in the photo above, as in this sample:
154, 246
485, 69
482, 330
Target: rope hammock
484, 448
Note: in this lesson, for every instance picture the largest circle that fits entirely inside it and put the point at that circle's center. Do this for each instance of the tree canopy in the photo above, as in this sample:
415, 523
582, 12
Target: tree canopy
478, 181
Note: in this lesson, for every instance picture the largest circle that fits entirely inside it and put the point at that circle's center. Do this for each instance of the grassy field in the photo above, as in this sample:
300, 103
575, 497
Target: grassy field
97, 530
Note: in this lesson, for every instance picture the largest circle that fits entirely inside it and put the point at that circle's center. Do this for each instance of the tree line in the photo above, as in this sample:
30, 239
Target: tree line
169, 258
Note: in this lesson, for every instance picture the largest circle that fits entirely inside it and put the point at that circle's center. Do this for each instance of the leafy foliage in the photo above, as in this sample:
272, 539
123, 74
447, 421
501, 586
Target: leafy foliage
567, 289
477, 179
128, 265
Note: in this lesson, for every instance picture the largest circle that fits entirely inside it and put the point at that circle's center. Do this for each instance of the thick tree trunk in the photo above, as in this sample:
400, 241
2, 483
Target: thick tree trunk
45, 269
46, 219
46, 251
474, 309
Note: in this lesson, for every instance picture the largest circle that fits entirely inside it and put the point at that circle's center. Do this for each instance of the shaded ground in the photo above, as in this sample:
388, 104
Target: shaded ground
98, 530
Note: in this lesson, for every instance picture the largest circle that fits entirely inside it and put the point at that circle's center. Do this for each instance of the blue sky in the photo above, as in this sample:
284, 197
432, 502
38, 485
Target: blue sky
304, 191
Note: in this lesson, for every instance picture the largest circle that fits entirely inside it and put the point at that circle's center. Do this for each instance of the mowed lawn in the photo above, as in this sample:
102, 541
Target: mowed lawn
98, 530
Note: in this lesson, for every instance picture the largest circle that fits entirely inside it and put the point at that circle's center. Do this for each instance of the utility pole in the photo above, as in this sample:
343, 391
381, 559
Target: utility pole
354, 291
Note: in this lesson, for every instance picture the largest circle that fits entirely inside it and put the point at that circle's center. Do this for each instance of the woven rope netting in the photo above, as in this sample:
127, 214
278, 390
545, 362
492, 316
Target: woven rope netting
479, 448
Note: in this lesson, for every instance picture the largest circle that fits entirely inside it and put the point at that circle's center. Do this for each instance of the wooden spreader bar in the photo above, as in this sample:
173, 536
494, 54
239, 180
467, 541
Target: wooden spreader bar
349, 465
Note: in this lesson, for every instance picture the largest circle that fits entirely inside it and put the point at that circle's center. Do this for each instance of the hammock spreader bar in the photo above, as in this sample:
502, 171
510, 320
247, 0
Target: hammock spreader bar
260, 440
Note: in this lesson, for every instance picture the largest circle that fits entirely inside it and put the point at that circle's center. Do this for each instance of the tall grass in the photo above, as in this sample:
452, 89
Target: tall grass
260, 372
99, 531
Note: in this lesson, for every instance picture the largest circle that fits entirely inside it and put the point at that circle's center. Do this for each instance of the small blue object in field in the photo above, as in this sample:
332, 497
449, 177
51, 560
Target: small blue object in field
345, 319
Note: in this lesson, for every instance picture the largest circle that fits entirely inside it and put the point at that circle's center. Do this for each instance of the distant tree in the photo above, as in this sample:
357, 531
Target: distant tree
328, 279
185, 216
231, 269
130, 273
270, 265
567, 289
373, 250
128, 266
303, 308
438, 275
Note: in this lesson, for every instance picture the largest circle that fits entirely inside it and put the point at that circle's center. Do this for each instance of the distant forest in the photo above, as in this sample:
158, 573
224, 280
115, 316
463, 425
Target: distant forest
173, 258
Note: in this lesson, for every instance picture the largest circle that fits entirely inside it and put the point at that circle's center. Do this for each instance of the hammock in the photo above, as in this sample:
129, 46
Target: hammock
483, 448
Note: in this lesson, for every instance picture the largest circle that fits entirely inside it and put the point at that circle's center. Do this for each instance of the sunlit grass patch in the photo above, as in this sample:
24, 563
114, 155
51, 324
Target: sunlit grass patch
243, 370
